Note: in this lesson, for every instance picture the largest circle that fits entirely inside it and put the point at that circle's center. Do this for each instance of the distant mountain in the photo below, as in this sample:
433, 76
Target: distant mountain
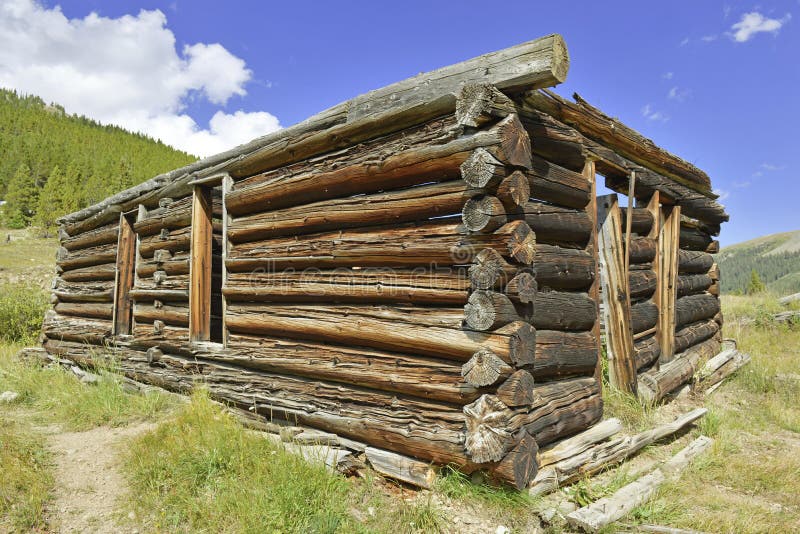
775, 257
54, 163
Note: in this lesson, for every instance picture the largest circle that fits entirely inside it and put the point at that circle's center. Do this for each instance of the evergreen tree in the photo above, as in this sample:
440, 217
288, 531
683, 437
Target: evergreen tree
21, 198
755, 285
74, 189
51, 199
96, 160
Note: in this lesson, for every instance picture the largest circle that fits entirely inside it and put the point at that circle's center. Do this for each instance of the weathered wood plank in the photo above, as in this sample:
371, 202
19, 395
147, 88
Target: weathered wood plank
616, 296
668, 271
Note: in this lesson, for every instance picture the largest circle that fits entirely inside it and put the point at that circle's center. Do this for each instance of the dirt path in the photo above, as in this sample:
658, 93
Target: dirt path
88, 479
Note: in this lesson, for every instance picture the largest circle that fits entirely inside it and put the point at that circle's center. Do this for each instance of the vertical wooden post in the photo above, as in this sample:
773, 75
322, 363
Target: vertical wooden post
590, 174
668, 244
654, 208
200, 266
616, 295
227, 186
629, 221
124, 277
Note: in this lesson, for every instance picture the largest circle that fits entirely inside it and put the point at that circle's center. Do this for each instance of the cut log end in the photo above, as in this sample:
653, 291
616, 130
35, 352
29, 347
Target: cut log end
487, 439
484, 368
515, 147
517, 390
519, 467
514, 191
487, 310
483, 214
481, 169
522, 242
480, 103
522, 342
523, 287
489, 268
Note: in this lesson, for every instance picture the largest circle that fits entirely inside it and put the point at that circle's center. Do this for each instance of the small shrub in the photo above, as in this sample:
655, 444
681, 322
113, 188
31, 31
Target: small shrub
22, 308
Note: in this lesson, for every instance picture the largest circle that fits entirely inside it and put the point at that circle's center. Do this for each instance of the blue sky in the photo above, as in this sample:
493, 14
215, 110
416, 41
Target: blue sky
675, 71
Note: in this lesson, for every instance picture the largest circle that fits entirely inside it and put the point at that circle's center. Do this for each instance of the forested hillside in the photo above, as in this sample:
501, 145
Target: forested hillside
776, 259
54, 163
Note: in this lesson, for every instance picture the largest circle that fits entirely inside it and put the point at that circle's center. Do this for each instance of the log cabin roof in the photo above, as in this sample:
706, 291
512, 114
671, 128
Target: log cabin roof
520, 70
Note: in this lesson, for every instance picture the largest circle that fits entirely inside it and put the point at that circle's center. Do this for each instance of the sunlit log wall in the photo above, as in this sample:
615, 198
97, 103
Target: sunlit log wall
412, 274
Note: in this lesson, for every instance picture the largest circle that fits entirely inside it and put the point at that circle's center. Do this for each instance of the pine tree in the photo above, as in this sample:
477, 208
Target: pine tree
755, 285
75, 189
51, 200
21, 198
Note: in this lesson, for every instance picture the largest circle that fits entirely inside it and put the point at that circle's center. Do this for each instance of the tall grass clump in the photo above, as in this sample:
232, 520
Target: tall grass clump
22, 308
203, 471
25, 479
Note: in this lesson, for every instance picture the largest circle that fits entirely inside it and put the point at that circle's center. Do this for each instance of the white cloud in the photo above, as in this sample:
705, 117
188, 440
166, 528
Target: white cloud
127, 71
708, 38
684, 42
652, 115
678, 94
722, 194
668, 75
753, 23
741, 184
772, 167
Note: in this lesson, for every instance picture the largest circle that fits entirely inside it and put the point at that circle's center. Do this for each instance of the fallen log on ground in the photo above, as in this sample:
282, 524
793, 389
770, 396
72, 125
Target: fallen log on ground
609, 509
602, 455
654, 385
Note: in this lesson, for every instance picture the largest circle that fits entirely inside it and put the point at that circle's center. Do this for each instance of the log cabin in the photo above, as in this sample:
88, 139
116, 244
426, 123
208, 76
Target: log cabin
423, 268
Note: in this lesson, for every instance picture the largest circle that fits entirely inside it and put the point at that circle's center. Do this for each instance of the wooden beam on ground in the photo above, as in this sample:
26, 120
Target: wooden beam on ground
402, 468
605, 454
609, 509
616, 295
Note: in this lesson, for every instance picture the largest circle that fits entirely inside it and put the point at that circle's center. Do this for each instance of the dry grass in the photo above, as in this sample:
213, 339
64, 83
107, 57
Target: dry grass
26, 479
750, 481
26, 257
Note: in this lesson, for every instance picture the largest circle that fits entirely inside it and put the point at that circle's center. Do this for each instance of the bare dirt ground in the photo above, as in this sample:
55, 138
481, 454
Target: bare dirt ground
88, 482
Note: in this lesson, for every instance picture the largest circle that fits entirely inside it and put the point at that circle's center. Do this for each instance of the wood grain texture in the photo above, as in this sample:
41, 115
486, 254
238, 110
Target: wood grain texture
616, 296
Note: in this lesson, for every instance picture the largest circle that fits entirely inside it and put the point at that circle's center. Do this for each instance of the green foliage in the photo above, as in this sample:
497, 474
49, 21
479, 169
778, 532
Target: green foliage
755, 285
40, 141
776, 259
22, 308
203, 471
21, 198
26, 478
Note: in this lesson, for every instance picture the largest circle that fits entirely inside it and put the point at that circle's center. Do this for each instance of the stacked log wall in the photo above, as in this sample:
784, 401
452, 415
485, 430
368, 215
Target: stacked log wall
697, 315
439, 270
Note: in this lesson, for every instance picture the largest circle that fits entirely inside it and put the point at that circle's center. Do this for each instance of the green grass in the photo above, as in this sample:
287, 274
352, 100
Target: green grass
55, 395
28, 258
203, 471
25, 477
749, 481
